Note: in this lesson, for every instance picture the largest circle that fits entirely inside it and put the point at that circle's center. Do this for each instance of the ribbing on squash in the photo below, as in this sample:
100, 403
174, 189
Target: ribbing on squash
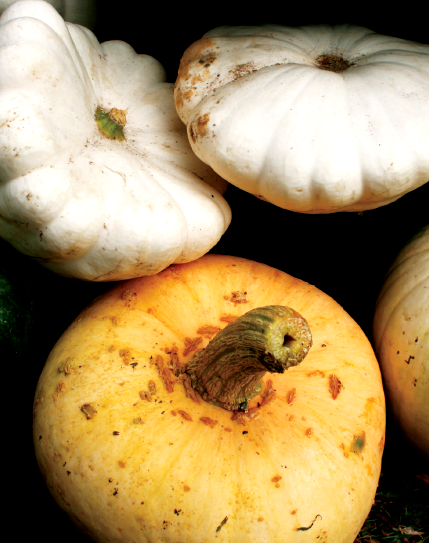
157, 415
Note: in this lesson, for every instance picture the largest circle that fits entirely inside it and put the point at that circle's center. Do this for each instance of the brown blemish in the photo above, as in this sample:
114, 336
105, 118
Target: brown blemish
237, 297
309, 432
316, 373
228, 318
129, 296
241, 70
125, 355
89, 410
268, 394
191, 344
335, 386
208, 331
208, 421
189, 390
290, 396
276, 480
165, 374
121, 464
185, 415
66, 366
199, 127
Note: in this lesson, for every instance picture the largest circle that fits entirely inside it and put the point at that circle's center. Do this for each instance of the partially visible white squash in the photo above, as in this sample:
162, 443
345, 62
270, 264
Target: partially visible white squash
82, 12
401, 339
314, 119
81, 203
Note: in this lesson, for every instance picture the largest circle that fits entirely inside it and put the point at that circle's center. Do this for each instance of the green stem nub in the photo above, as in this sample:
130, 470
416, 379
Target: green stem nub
111, 123
229, 370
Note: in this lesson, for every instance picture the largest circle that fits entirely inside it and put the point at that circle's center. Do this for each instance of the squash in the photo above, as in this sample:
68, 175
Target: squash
401, 339
80, 12
293, 115
142, 437
97, 178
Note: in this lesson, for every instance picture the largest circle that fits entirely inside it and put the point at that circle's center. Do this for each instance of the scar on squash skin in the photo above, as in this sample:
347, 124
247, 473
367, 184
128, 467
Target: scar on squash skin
228, 318
290, 396
129, 296
335, 386
221, 524
165, 374
191, 344
89, 410
315, 373
208, 331
304, 529
185, 415
66, 366
189, 390
125, 355
208, 421
237, 297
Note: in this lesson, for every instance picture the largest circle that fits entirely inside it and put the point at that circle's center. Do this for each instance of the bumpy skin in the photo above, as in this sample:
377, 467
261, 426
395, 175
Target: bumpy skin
84, 205
401, 339
262, 109
303, 467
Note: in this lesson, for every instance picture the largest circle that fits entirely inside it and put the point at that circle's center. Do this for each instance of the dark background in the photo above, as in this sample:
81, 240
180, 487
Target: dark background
345, 254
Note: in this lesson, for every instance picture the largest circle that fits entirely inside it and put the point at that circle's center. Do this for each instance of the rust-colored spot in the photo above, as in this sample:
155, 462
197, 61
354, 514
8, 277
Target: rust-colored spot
237, 297
138, 420
125, 355
228, 429
276, 478
152, 387
173, 413
175, 365
199, 127
208, 331
166, 375
129, 296
191, 344
229, 318
121, 464
208, 421
335, 386
186, 488
290, 396
185, 415
145, 395
316, 373
291, 417
89, 410
309, 432
293, 512
239, 416
111, 349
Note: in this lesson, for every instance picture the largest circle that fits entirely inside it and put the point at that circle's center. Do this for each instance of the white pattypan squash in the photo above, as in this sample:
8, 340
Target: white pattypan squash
97, 178
401, 339
80, 12
314, 119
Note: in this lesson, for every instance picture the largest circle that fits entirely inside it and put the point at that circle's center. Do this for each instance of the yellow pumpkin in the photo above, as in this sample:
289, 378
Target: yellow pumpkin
132, 452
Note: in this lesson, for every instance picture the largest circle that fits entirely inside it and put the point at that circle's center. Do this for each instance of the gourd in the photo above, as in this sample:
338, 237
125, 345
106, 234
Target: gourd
97, 179
294, 115
401, 339
80, 12
155, 416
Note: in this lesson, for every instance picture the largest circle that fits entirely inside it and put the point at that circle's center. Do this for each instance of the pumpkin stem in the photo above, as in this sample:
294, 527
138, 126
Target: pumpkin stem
229, 370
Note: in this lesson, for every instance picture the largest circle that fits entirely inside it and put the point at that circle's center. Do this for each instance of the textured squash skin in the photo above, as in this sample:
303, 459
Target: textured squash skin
264, 110
174, 470
82, 204
401, 339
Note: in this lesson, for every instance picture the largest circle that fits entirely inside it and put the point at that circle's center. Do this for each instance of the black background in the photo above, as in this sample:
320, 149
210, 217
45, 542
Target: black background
345, 254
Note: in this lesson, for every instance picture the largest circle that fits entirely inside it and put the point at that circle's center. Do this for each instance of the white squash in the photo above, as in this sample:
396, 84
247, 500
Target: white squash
401, 339
314, 119
81, 203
